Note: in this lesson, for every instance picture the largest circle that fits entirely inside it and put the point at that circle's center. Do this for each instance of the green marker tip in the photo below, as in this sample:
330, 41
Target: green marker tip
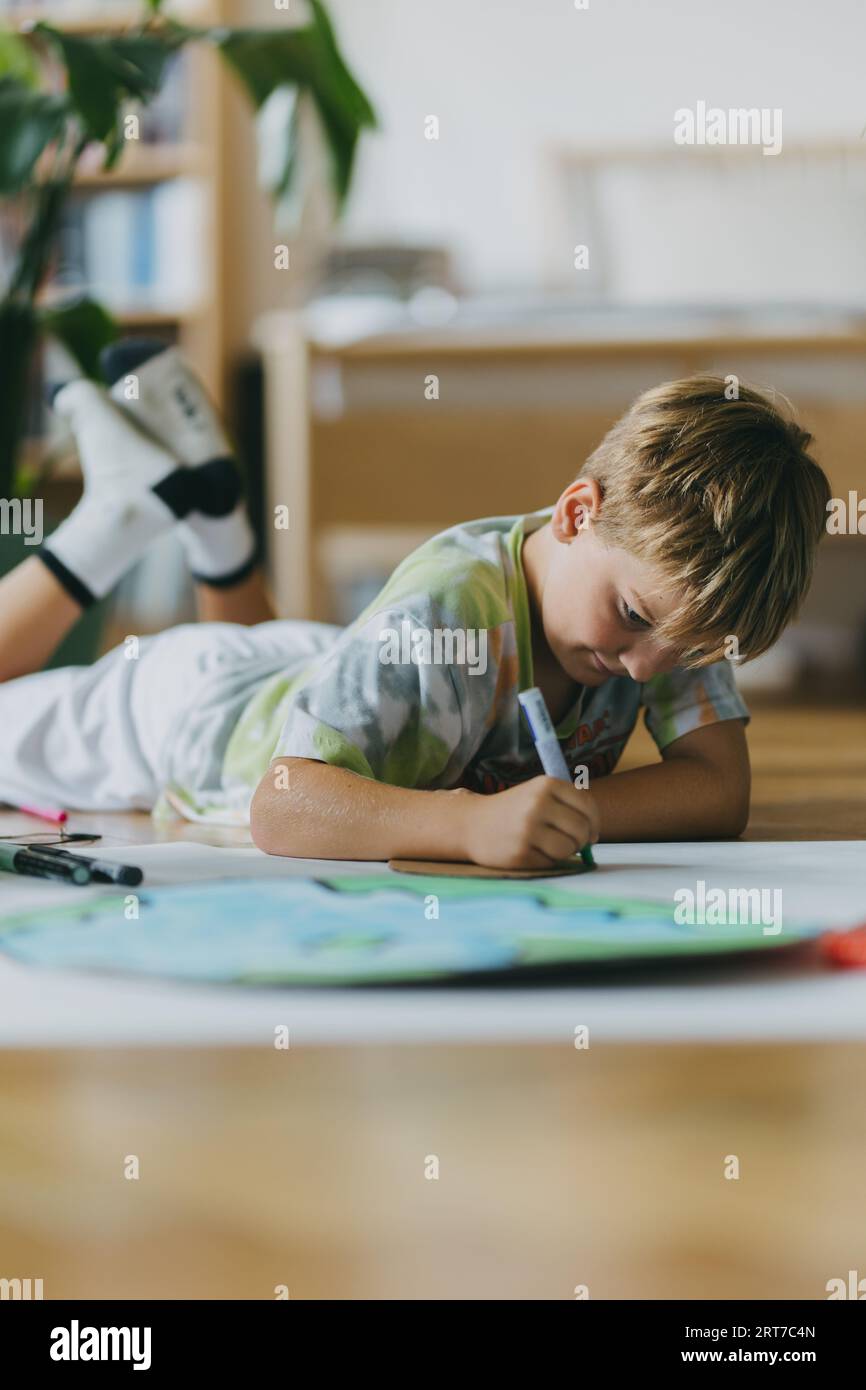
586, 856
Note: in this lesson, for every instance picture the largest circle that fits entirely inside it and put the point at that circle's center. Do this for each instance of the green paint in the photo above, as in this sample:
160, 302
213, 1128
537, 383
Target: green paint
548, 894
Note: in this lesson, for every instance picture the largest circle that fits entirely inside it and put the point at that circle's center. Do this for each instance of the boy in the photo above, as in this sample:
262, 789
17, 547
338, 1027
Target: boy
688, 537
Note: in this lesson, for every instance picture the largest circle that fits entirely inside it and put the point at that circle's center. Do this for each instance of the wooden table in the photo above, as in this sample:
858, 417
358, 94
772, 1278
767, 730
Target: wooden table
557, 1167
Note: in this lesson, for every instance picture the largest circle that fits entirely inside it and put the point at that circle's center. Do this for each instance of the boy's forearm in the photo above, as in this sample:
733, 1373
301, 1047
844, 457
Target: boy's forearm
308, 809
317, 811
680, 799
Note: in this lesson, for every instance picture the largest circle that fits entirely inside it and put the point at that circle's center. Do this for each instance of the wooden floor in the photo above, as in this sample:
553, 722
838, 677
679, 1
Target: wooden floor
808, 772
556, 1168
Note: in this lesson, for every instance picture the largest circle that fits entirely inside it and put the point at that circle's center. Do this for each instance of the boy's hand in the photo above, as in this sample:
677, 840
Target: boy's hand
531, 826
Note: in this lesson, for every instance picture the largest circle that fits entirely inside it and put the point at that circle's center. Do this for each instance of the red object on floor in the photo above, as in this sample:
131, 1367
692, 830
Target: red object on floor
847, 948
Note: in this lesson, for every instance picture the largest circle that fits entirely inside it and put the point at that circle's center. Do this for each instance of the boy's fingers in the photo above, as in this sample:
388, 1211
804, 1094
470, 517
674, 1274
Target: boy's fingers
564, 794
570, 827
574, 829
555, 844
572, 820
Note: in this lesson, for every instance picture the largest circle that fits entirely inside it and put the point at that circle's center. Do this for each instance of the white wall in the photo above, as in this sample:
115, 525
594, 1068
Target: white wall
508, 77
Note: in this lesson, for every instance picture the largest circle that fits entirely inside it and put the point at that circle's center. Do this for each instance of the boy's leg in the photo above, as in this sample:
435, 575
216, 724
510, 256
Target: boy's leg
247, 603
113, 735
88, 738
156, 387
132, 492
36, 612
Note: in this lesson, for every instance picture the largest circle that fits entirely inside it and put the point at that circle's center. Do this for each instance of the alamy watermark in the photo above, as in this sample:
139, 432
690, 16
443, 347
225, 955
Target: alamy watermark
21, 1289
731, 907
710, 125
847, 518
22, 516
77, 1343
439, 646
855, 1287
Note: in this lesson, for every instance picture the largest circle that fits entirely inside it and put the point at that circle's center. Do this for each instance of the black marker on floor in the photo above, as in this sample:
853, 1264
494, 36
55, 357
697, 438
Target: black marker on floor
19, 859
99, 870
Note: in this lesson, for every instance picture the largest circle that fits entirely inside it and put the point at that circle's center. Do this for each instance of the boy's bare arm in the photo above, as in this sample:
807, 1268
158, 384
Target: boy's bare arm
700, 790
308, 809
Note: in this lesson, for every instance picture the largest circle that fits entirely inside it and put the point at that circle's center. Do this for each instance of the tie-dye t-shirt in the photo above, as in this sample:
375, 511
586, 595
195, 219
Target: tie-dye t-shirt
421, 690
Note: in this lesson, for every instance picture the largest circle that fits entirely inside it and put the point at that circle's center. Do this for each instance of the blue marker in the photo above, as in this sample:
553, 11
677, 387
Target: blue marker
547, 746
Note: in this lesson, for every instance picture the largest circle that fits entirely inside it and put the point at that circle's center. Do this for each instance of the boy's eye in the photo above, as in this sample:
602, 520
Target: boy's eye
632, 618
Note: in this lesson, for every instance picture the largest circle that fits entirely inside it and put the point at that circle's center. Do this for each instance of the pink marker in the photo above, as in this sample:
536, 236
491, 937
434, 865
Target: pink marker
50, 813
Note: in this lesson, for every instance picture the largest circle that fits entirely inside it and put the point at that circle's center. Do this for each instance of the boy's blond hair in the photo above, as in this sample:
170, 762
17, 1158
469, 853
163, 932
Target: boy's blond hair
723, 497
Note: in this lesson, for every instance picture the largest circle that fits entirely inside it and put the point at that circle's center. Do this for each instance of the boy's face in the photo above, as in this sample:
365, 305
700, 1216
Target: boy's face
599, 605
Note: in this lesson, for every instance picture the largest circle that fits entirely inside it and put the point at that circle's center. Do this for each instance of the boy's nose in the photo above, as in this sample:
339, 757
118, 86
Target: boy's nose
640, 662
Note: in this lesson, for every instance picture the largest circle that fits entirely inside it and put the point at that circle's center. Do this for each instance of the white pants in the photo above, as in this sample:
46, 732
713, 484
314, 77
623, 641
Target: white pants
108, 737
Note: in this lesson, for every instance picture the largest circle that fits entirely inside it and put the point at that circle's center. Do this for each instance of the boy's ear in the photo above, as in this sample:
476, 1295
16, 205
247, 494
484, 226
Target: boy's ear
578, 506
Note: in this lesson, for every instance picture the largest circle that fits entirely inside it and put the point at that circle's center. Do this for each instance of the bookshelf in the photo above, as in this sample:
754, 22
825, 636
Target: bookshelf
152, 164
145, 238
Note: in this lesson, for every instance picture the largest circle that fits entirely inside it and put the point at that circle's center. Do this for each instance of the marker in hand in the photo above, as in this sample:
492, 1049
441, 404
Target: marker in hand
547, 746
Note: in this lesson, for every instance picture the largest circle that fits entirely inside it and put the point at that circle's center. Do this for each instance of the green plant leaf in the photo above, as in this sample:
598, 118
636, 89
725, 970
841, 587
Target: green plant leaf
343, 85
17, 60
84, 328
28, 122
309, 59
342, 140
114, 148
343, 108
148, 55
18, 331
94, 88
265, 59
105, 72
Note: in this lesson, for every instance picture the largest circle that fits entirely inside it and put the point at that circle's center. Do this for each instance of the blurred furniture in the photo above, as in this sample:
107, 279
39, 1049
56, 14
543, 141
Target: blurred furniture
368, 463
696, 224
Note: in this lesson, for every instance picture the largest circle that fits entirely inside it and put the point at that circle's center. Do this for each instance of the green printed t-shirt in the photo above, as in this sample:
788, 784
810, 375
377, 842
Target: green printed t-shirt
421, 690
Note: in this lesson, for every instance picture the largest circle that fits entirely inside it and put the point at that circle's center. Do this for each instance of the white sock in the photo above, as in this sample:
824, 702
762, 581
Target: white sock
159, 390
133, 492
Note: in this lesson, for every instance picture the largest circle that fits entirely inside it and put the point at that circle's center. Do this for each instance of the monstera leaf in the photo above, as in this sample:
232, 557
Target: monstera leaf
84, 328
16, 59
307, 60
104, 73
29, 121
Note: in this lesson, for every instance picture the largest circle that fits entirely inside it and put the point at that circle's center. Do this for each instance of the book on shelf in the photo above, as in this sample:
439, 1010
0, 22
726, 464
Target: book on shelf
165, 118
137, 249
